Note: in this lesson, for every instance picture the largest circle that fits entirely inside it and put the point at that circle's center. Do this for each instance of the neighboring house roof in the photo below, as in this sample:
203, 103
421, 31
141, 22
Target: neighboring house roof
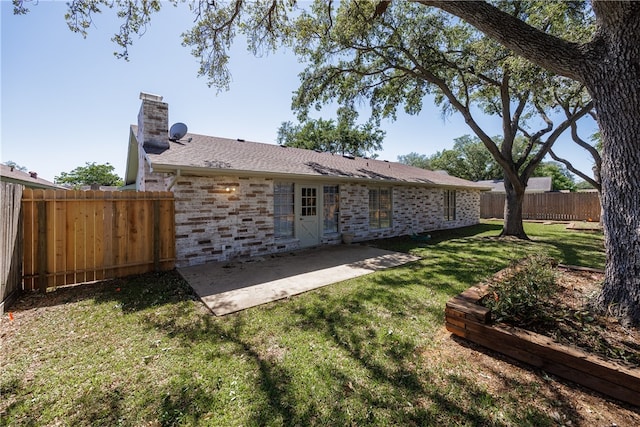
28, 179
538, 184
200, 154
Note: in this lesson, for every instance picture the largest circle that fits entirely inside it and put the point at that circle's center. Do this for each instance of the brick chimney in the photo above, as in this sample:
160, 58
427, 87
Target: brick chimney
153, 123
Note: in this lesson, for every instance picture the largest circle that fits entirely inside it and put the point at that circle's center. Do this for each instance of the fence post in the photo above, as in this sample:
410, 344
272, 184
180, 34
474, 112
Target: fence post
156, 235
42, 245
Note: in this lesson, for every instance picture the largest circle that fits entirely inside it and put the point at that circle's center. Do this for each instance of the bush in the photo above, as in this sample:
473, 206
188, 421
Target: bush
521, 297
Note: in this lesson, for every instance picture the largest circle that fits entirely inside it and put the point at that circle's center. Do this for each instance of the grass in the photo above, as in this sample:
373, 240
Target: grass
368, 351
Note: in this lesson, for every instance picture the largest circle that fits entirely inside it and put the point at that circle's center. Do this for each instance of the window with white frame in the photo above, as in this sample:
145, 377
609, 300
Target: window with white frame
449, 205
283, 209
331, 208
379, 207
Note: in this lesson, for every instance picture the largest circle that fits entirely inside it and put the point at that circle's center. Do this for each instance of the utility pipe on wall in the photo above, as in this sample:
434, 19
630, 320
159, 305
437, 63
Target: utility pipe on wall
174, 179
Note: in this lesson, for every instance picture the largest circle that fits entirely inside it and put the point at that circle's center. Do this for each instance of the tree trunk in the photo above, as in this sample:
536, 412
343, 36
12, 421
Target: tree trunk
614, 85
617, 98
513, 212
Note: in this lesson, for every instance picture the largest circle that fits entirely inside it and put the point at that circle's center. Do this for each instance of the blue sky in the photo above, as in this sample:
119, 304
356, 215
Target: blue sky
66, 100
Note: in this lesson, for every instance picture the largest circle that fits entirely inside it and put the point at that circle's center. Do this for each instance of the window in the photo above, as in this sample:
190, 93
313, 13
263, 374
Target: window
331, 208
283, 214
449, 205
308, 201
379, 208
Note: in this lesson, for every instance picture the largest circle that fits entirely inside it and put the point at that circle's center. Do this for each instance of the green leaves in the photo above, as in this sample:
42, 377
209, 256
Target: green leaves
468, 159
90, 174
343, 137
522, 297
135, 16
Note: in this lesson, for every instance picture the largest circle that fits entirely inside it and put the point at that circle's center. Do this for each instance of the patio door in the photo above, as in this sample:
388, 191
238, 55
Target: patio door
307, 215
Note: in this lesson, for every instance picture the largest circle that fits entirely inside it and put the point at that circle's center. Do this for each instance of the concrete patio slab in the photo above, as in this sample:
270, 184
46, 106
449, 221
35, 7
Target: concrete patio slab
227, 287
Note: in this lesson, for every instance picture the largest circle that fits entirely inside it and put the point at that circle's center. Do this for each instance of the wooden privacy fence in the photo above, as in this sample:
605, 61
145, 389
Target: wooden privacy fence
11, 242
81, 236
546, 206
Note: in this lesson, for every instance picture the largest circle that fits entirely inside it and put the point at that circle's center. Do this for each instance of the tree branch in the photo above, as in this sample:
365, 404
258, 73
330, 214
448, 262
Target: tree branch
570, 167
546, 146
555, 54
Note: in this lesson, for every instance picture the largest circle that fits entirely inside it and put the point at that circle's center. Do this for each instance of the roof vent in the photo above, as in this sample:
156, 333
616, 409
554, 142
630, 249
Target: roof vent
240, 140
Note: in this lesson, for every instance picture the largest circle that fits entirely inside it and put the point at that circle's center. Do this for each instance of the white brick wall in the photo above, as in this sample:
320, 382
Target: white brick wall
226, 217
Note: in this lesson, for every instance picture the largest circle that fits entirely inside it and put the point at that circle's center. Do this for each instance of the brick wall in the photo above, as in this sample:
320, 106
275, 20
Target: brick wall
222, 218
467, 209
153, 123
354, 210
415, 210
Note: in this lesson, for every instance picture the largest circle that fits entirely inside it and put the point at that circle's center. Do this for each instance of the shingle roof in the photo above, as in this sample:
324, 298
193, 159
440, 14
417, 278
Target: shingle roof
537, 184
14, 175
223, 154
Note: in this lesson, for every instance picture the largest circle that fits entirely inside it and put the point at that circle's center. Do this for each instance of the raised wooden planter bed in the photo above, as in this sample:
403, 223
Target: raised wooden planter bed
469, 320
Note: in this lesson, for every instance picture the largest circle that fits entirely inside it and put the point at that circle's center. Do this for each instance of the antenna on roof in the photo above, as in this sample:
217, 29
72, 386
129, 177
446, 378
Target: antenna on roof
177, 131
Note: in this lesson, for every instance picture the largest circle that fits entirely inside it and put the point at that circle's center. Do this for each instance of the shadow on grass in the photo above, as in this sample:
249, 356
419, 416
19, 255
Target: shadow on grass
357, 323
406, 243
582, 249
348, 322
133, 293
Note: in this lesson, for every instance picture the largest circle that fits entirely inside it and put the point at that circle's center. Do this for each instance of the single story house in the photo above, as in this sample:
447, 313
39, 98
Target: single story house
536, 184
236, 199
13, 175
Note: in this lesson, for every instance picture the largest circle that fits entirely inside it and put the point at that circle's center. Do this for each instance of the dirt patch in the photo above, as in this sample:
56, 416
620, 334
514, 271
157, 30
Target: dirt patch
584, 226
571, 321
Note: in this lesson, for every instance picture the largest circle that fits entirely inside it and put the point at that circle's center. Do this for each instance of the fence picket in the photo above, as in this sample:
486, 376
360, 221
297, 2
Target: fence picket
546, 206
74, 236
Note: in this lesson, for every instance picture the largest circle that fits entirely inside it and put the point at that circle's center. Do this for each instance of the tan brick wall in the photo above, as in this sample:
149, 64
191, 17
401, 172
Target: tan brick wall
416, 210
354, 210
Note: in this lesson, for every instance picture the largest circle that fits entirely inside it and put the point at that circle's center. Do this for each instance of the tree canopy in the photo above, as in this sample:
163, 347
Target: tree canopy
90, 174
470, 160
344, 137
594, 149
561, 178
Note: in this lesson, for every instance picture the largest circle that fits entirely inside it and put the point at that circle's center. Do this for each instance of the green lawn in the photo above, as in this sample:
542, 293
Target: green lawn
143, 351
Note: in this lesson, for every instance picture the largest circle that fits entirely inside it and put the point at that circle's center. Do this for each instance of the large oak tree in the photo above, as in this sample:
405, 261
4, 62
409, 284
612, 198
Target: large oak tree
608, 65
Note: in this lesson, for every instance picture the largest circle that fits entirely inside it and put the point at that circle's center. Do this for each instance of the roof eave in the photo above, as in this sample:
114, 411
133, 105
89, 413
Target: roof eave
204, 171
32, 184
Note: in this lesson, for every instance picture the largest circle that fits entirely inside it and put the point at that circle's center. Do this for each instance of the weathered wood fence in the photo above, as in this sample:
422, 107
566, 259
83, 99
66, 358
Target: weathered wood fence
10, 242
81, 236
546, 206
